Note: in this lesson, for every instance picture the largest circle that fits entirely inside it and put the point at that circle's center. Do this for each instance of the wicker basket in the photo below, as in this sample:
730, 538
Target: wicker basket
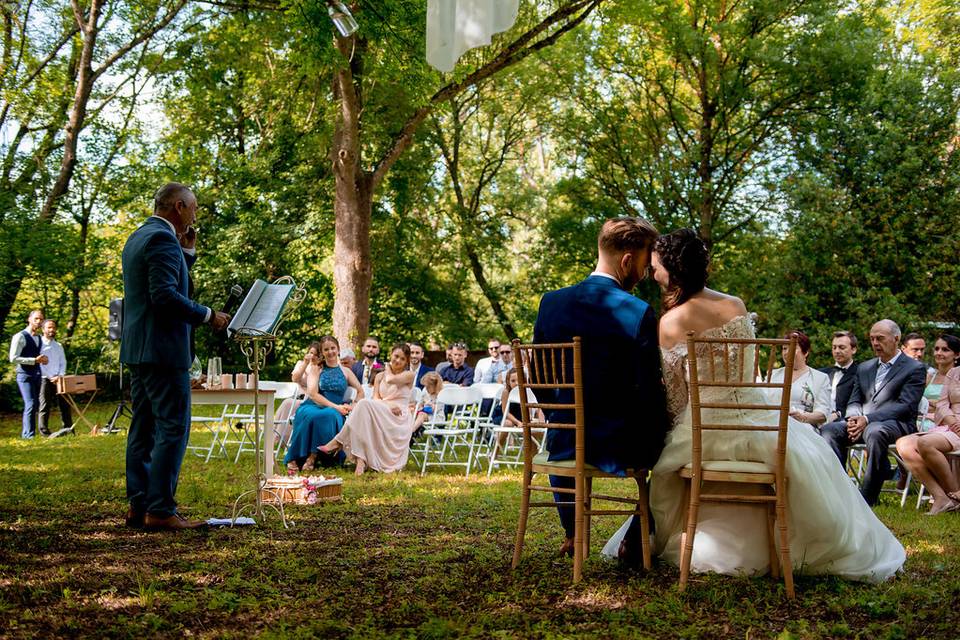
295, 491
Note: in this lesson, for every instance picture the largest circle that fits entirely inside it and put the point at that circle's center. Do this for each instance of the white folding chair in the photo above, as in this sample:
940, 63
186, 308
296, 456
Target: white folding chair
491, 392
452, 429
857, 464
242, 417
289, 395
512, 452
217, 428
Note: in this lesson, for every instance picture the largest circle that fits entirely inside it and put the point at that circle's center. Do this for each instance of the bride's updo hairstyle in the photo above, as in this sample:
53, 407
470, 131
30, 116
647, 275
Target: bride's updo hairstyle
684, 256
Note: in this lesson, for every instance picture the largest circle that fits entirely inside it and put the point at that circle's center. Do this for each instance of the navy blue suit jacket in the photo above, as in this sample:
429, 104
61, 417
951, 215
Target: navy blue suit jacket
624, 399
422, 370
157, 311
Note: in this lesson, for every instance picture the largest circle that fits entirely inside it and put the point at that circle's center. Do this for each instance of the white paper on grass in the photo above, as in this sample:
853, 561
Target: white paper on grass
261, 308
456, 26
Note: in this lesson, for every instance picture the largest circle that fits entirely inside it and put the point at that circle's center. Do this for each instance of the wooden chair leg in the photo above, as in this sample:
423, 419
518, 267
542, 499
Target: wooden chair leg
772, 541
785, 564
524, 512
588, 504
686, 538
578, 537
645, 526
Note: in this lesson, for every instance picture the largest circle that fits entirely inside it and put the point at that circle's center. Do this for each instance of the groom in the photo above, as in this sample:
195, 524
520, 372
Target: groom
624, 400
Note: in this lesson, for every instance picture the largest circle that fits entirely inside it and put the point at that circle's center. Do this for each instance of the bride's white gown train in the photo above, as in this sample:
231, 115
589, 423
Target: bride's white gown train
832, 530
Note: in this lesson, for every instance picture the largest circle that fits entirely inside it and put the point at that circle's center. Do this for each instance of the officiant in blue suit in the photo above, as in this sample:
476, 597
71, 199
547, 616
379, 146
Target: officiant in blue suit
158, 317
624, 399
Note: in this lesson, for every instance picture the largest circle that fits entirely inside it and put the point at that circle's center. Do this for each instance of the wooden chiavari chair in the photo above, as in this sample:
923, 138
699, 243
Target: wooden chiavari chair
553, 373
732, 372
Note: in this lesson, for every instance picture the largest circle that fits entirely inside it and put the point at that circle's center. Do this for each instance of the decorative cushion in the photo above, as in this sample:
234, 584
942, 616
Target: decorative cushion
734, 466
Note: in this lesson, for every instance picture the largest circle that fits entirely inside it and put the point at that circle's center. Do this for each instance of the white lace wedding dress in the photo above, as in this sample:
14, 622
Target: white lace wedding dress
832, 530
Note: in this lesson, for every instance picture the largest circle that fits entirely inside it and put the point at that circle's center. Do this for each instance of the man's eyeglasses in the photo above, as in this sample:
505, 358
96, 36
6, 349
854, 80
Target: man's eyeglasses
459, 345
503, 351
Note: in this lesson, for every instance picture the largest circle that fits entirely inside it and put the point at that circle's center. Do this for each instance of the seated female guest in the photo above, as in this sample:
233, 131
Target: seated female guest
924, 453
299, 376
322, 414
377, 435
810, 393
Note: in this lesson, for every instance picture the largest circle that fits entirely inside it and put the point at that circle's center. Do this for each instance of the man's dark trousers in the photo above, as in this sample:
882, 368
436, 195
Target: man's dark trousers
157, 441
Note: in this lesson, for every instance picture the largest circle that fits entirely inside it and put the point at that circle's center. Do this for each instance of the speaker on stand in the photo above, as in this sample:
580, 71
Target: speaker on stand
114, 333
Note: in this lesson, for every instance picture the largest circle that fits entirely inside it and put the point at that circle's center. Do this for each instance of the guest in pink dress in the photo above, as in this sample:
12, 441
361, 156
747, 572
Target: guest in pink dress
925, 453
377, 433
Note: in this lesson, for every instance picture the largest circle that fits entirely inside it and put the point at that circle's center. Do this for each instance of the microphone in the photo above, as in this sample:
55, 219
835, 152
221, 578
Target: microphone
233, 300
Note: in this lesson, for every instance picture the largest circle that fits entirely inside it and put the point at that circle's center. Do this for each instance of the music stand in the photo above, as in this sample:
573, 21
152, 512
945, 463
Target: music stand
255, 345
114, 333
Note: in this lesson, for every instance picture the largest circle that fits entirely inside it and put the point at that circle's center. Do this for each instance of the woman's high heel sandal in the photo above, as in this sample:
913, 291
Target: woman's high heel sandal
292, 468
309, 462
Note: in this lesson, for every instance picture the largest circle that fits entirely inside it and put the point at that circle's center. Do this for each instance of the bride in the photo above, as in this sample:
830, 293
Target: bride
832, 530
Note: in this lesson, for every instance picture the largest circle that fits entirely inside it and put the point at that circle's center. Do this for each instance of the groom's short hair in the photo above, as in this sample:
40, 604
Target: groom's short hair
619, 235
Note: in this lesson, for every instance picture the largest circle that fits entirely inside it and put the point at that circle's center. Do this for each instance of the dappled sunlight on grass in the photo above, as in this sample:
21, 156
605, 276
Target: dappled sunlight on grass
403, 555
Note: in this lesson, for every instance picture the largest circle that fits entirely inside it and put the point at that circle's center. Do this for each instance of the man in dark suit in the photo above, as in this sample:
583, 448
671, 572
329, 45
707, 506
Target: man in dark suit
416, 364
624, 399
882, 407
369, 365
842, 373
155, 346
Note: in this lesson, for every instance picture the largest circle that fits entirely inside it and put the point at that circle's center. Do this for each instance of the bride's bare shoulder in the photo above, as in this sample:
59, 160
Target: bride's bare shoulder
726, 303
706, 310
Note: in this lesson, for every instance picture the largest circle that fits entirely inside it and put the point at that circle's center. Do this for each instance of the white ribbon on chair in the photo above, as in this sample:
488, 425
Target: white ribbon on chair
456, 26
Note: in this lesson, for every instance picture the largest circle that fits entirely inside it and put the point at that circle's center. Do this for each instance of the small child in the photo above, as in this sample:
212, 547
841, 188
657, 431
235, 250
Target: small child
432, 384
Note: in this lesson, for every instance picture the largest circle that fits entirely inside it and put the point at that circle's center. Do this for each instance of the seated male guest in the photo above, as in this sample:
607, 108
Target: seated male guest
483, 364
624, 399
882, 408
842, 373
416, 364
497, 371
459, 372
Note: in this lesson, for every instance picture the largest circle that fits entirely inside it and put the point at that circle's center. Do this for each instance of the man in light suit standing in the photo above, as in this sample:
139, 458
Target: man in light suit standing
882, 408
625, 412
155, 346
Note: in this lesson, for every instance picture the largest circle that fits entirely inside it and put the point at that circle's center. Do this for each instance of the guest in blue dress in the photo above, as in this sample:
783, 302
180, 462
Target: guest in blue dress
322, 414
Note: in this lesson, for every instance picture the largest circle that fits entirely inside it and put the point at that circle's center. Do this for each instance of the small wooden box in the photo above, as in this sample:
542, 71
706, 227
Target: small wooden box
77, 384
294, 491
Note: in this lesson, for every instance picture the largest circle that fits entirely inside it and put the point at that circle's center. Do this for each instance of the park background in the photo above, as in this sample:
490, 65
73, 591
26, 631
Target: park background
811, 143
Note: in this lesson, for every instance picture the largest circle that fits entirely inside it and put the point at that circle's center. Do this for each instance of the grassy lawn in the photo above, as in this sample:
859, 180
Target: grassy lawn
401, 557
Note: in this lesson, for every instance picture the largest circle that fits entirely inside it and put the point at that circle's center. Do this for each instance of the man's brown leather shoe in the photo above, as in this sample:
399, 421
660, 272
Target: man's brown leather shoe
134, 519
566, 549
176, 522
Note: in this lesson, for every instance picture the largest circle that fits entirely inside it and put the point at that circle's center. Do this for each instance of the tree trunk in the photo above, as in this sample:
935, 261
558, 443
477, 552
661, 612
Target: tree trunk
352, 270
489, 292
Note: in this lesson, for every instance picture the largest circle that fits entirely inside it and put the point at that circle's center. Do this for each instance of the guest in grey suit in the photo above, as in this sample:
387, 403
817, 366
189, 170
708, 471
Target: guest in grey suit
882, 408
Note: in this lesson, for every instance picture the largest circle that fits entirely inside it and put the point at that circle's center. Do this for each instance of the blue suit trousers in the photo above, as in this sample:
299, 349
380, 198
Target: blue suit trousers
30, 391
158, 436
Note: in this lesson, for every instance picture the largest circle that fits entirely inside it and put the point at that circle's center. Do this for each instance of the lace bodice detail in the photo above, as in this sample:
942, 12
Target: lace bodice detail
676, 369
332, 384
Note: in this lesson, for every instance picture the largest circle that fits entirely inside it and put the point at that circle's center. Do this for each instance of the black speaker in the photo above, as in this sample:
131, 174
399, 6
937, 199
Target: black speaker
115, 320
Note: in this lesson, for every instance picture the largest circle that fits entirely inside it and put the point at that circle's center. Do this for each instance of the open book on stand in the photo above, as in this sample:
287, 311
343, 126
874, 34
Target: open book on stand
261, 309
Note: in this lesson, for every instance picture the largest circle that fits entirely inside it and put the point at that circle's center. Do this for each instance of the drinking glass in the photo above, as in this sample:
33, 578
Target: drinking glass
214, 369
226, 381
